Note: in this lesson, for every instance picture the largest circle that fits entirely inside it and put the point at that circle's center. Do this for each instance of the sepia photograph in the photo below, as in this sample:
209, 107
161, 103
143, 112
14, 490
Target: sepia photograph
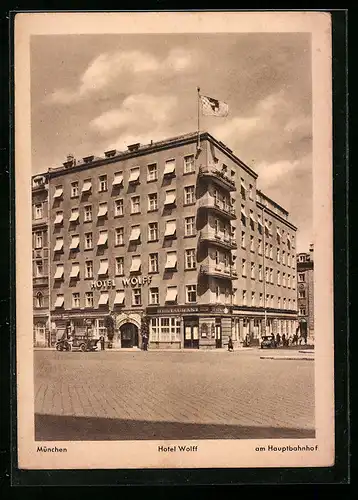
172, 242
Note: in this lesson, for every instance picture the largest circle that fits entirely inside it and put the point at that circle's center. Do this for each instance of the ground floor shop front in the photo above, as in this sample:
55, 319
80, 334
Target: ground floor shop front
177, 327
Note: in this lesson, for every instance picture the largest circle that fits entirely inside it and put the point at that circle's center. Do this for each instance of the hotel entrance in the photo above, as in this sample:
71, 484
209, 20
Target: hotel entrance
218, 340
129, 335
191, 333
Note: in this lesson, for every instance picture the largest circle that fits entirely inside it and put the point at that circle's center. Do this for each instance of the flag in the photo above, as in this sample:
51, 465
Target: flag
213, 107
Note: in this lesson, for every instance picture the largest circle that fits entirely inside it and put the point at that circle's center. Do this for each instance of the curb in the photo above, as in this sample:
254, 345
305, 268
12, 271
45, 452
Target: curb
288, 358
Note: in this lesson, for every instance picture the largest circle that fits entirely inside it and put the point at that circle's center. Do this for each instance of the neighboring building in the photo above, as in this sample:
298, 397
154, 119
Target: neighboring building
305, 295
172, 236
40, 255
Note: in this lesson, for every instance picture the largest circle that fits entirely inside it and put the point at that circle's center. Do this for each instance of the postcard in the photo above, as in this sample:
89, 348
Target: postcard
174, 257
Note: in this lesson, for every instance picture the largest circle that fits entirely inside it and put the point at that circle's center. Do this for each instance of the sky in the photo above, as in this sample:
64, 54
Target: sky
93, 93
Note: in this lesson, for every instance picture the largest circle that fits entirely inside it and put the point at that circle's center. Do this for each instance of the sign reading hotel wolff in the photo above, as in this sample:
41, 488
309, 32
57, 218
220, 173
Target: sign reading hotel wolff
134, 281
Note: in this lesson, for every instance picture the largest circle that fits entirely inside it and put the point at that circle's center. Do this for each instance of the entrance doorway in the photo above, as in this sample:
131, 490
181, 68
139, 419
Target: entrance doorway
218, 341
129, 335
191, 333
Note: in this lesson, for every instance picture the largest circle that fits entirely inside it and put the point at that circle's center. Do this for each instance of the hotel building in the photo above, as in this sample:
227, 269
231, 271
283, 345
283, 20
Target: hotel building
305, 295
174, 235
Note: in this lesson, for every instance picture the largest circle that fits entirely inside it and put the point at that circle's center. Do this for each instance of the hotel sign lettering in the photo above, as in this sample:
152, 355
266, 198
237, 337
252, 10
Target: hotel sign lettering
133, 281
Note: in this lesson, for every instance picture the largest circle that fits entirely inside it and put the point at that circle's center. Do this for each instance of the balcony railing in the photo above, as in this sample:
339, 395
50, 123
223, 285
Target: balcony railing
218, 176
40, 281
218, 271
218, 206
218, 239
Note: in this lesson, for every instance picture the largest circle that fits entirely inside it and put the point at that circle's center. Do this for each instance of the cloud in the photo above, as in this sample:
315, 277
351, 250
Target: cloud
116, 68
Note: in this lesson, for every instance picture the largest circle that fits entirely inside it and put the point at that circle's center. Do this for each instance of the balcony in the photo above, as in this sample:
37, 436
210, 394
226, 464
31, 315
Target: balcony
40, 281
218, 207
218, 177
218, 271
218, 239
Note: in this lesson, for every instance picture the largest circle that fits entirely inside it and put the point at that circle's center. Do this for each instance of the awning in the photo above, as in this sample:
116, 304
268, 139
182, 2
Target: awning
172, 293
103, 236
169, 167
59, 244
252, 217
87, 186
243, 212
59, 218
134, 175
118, 179
135, 233
170, 228
58, 192
103, 299
74, 215
75, 271
171, 260
59, 272
170, 197
59, 301
74, 242
267, 227
243, 185
136, 263
259, 221
103, 268
278, 233
102, 210
119, 298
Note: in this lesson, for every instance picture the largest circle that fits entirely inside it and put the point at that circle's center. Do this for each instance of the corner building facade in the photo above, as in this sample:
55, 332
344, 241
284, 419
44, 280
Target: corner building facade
173, 236
305, 292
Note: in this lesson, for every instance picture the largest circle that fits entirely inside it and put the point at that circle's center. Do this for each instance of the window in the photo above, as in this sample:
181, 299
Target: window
38, 211
189, 195
289, 303
243, 189
88, 241
301, 277
89, 299
260, 272
172, 294
189, 164
302, 312
253, 299
170, 228
171, 262
279, 302
39, 300
58, 192
38, 239
278, 278
243, 267
272, 301
261, 299
190, 258
164, 329
135, 204
136, 264
153, 263
134, 175
119, 266
89, 269
59, 272
102, 183
169, 168
136, 297
271, 276
283, 257
278, 256
243, 214
191, 293
87, 186
88, 213
271, 252
118, 208
244, 297
75, 213
153, 231
217, 257
103, 267
103, 298
102, 210
289, 281
119, 235
267, 274
217, 227
266, 250
189, 226
135, 233
75, 270
260, 246
119, 298
243, 239
74, 189
75, 241
154, 295
294, 282
252, 244
267, 300
59, 301
152, 172
59, 244
39, 269
252, 270
217, 293
59, 218
284, 279
302, 294
76, 300
118, 179
289, 260
251, 192
152, 202
170, 197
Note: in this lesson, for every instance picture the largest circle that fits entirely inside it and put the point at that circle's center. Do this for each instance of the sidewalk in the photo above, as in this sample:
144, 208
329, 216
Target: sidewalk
136, 349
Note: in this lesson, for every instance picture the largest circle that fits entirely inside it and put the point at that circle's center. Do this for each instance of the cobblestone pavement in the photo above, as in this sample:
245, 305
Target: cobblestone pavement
164, 395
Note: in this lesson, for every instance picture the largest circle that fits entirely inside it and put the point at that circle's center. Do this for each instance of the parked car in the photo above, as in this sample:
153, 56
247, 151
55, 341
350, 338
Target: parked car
81, 343
268, 342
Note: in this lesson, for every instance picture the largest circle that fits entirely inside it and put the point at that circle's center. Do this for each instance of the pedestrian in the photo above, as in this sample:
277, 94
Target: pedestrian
230, 345
145, 342
283, 340
102, 342
278, 339
247, 340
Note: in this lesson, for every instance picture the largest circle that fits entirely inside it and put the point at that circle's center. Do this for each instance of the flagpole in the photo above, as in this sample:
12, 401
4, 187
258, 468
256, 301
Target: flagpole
198, 146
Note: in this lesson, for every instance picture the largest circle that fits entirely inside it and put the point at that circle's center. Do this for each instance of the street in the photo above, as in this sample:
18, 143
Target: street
114, 395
